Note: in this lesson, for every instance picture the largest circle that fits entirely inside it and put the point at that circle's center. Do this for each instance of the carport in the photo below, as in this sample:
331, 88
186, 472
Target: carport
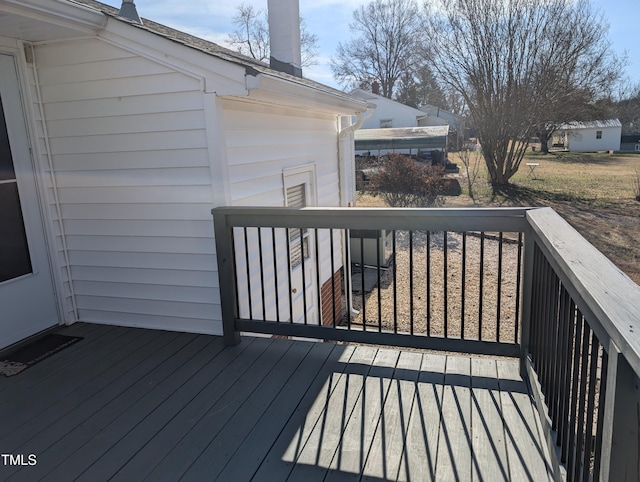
396, 139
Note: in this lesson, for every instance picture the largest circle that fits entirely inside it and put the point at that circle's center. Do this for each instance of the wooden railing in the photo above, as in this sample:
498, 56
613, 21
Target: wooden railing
581, 351
516, 282
426, 278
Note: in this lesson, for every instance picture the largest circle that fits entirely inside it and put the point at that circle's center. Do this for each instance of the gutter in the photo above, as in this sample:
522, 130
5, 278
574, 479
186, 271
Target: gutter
292, 91
345, 168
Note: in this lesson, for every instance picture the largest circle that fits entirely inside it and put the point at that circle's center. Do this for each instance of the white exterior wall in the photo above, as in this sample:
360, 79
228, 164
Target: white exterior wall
262, 142
132, 179
584, 140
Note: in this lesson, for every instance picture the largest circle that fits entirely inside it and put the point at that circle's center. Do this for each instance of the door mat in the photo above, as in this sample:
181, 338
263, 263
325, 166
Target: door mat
24, 357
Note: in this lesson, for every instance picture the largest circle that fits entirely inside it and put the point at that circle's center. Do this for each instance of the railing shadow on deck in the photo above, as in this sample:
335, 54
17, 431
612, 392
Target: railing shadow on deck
378, 408
573, 317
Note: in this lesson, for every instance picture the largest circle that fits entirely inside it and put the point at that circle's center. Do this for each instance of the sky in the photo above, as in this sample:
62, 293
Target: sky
329, 20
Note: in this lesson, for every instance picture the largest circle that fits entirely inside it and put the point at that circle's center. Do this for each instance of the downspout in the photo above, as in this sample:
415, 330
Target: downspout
345, 167
70, 294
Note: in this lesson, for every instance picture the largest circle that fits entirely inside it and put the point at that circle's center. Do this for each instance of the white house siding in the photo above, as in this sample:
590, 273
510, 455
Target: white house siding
585, 140
262, 141
127, 138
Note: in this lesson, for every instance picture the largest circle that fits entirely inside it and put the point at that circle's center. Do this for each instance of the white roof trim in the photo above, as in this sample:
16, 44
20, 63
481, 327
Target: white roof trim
56, 11
267, 88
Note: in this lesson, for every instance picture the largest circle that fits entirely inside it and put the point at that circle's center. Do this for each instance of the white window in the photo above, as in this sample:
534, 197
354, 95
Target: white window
598, 134
386, 123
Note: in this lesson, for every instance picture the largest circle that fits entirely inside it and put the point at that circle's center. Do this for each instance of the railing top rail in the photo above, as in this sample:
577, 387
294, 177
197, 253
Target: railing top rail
612, 297
433, 219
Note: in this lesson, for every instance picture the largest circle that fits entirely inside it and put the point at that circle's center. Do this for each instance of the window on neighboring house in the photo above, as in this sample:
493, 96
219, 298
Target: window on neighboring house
298, 238
386, 123
598, 134
637, 147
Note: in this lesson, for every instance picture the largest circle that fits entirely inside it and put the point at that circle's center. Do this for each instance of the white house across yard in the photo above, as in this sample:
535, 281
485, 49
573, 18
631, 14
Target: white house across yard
591, 136
117, 140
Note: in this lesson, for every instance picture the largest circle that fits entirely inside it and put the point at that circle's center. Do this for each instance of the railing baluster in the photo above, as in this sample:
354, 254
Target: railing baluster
591, 397
463, 281
364, 301
333, 278
289, 274
395, 284
518, 288
584, 366
411, 281
378, 262
600, 423
499, 287
246, 253
445, 244
546, 327
262, 283
234, 260
318, 276
275, 272
575, 398
304, 278
348, 289
566, 342
481, 284
428, 283
555, 351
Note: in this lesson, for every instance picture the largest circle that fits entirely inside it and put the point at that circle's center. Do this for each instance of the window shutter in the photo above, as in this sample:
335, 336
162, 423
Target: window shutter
296, 198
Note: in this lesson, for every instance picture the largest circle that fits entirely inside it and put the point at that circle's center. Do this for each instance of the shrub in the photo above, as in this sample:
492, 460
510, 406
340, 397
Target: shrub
403, 182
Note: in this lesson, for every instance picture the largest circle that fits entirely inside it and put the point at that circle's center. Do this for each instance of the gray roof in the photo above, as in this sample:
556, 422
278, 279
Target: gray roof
252, 66
598, 124
401, 138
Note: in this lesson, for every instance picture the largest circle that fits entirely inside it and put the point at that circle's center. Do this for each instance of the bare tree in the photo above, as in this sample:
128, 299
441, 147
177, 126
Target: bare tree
516, 63
418, 87
387, 34
251, 36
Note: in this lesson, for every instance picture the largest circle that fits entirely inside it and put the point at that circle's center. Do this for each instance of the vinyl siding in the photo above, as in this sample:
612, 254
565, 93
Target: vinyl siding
129, 148
262, 142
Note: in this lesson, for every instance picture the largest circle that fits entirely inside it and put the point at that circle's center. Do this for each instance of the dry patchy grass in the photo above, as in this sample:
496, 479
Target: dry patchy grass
593, 192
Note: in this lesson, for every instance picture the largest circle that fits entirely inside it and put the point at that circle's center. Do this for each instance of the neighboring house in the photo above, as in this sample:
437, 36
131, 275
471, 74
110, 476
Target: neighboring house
120, 138
457, 134
392, 114
591, 136
630, 143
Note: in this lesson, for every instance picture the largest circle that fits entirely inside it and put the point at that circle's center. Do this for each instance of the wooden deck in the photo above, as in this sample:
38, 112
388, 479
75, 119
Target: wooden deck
134, 404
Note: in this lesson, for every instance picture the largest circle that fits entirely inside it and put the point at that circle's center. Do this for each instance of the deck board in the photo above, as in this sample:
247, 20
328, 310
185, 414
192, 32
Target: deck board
133, 404
421, 446
489, 449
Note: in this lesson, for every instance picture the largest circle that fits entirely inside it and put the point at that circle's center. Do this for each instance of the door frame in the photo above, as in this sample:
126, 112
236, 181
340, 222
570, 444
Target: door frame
37, 214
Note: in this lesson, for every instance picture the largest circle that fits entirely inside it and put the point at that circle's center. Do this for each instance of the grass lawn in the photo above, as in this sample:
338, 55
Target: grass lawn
595, 193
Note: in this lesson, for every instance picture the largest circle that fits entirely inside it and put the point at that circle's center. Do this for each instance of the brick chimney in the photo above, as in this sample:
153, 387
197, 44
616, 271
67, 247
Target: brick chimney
375, 87
284, 36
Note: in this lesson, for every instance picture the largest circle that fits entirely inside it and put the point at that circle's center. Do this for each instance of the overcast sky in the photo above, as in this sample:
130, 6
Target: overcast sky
329, 20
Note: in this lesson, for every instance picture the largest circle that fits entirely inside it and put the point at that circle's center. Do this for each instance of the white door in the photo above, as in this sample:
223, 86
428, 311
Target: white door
27, 298
300, 192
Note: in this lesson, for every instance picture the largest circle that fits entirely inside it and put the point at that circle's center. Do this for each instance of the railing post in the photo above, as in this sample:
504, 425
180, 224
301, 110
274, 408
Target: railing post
527, 291
226, 276
620, 456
